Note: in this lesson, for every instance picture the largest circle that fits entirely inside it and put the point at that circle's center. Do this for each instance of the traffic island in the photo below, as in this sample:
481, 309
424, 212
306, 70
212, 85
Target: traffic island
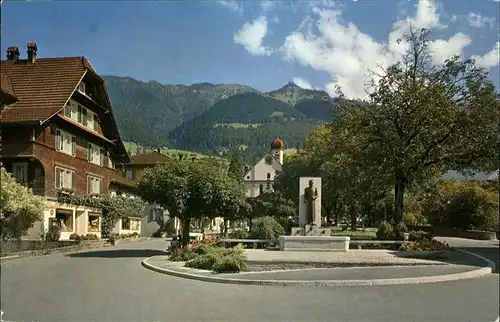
356, 270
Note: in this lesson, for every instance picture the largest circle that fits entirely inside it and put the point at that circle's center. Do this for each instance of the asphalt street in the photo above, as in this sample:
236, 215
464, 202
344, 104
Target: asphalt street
111, 285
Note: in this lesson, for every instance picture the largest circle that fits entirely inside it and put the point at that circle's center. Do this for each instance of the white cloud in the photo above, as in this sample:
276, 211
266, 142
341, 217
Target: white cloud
490, 59
478, 21
251, 36
302, 83
233, 5
443, 49
327, 43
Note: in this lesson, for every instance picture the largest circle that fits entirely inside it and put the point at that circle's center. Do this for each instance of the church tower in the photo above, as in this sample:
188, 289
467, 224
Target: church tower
277, 149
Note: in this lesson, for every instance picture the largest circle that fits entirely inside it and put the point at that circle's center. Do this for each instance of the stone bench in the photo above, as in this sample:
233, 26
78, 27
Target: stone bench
254, 242
314, 243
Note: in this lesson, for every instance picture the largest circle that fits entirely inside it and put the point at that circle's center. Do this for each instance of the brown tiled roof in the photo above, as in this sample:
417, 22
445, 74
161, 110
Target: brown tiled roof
5, 85
150, 158
42, 88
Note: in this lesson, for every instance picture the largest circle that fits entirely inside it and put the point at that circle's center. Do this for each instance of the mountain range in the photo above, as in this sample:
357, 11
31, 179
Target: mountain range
215, 118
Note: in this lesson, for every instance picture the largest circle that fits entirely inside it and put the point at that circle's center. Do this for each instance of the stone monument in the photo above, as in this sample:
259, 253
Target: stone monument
310, 208
309, 236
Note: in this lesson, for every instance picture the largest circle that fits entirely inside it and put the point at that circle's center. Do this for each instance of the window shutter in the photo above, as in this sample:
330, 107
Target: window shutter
95, 122
58, 140
89, 185
101, 188
58, 178
89, 152
73, 145
101, 155
80, 114
84, 116
73, 179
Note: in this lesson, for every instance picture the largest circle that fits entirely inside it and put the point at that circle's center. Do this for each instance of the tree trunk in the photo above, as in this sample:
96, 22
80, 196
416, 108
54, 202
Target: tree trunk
185, 231
399, 192
250, 224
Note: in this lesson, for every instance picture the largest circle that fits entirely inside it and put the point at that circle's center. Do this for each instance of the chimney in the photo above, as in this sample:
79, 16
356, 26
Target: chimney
13, 53
32, 52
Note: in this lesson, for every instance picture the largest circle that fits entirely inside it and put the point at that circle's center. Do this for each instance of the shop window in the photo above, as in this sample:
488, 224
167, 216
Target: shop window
126, 223
94, 223
64, 221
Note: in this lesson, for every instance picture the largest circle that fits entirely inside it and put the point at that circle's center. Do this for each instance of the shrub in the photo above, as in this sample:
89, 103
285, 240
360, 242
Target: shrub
206, 261
91, 237
181, 255
385, 231
267, 228
399, 230
419, 236
424, 245
464, 205
53, 234
158, 233
202, 249
239, 234
230, 264
74, 236
113, 237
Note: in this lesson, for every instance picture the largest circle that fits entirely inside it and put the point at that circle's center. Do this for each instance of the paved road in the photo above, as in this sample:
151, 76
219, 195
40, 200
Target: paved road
111, 285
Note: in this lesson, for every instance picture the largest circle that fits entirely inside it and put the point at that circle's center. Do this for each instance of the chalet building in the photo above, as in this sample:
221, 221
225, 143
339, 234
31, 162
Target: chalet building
59, 135
259, 178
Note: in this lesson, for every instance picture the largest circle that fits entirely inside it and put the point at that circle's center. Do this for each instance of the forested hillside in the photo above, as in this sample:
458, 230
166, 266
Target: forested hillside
215, 119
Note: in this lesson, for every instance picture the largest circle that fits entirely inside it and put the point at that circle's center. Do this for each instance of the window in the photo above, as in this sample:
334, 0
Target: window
64, 220
65, 142
95, 123
94, 223
110, 161
159, 214
135, 224
129, 174
81, 87
125, 223
261, 188
65, 179
269, 176
20, 172
94, 185
151, 215
71, 110
94, 154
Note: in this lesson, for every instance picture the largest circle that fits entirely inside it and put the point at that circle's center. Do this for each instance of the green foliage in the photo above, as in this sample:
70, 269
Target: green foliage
418, 236
465, 205
399, 230
236, 166
424, 245
192, 190
205, 261
422, 120
385, 231
53, 234
19, 207
163, 106
267, 228
230, 264
111, 207
239, 234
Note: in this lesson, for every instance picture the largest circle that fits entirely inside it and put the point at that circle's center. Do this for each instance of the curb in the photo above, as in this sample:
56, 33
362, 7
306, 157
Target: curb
335, 283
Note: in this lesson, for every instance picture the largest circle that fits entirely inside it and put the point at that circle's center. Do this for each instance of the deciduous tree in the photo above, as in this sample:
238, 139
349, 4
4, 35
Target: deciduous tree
19, 207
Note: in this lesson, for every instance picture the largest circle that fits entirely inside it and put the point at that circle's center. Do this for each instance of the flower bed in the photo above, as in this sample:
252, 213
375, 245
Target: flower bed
115, 238
207, 255
422, 244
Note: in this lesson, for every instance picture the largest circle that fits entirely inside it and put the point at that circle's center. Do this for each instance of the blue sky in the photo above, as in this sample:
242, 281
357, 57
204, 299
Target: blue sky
261, 44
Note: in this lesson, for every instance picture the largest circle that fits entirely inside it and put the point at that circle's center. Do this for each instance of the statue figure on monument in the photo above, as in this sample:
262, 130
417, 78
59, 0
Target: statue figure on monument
310, 196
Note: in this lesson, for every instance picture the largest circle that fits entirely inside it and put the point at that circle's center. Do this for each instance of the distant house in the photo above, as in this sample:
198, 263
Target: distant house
134, 170
260, 177
59, 135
